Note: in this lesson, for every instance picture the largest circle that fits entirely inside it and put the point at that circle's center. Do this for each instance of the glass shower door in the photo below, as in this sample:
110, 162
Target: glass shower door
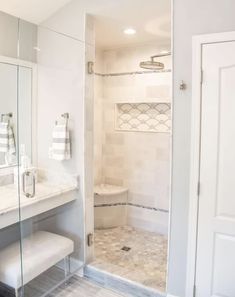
48, 184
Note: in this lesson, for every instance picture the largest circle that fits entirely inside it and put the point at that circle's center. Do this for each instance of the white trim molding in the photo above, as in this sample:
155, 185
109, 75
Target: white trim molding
197, 43
169, 295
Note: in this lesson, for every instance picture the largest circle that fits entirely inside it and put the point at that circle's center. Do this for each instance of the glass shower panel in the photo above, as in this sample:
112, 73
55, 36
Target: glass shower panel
49, 197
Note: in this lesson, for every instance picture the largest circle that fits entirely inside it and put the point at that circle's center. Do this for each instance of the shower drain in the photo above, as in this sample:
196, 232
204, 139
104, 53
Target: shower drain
126, 249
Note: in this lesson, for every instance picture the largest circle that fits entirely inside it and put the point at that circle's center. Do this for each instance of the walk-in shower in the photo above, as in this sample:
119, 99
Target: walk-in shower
132, 132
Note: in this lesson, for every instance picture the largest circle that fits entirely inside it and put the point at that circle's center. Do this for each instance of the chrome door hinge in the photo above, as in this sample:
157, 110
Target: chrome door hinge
202, 76
90, 67
90, 239
198, 188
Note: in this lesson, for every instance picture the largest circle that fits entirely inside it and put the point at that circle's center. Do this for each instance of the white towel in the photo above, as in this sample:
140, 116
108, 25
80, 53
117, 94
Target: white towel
7, 140
61, 143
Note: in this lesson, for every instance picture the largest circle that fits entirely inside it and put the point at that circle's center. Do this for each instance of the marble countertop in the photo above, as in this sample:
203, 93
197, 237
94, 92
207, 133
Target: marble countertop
48, 195
9, 195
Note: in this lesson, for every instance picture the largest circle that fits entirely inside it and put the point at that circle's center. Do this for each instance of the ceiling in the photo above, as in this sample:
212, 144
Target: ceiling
152, 22
150, 18
34, 11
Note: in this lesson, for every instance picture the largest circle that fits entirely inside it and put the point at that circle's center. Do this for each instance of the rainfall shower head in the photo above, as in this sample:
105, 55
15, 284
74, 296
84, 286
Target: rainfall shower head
152, 64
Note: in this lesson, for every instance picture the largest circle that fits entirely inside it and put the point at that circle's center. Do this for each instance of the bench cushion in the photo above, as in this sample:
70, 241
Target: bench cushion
41, 250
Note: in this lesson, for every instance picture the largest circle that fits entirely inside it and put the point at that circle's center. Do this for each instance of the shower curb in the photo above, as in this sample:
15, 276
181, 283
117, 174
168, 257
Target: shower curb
120, 284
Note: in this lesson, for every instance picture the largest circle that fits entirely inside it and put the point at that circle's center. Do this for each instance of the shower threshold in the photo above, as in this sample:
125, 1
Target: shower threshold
120, 284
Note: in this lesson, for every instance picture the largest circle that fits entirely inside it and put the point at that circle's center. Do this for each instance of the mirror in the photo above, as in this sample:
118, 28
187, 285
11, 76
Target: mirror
15, 85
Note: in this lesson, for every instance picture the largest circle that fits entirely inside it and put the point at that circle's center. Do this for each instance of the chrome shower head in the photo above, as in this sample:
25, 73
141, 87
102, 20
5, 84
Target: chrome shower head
152, 64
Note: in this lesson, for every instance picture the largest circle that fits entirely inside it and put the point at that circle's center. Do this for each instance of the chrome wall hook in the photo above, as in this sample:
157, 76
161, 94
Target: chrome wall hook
183, 85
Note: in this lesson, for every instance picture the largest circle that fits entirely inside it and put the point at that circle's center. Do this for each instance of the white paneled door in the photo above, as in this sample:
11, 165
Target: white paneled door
215, 266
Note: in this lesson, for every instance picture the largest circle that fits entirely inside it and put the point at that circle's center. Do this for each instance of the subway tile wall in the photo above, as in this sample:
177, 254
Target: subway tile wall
139, 161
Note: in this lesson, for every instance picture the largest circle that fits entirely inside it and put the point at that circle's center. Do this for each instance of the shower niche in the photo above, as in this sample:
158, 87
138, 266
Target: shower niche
143, 117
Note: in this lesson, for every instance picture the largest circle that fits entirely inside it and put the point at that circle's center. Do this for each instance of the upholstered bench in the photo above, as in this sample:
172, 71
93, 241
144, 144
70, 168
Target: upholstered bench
40, 251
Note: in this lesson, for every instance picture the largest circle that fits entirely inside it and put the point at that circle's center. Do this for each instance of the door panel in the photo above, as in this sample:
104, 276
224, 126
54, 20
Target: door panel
216, 225
226, 144
224, 263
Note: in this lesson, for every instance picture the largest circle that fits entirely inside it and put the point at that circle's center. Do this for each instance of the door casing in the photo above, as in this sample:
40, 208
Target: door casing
197, 77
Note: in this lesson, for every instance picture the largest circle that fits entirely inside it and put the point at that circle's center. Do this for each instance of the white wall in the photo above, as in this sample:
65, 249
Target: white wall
60, 90
190, 17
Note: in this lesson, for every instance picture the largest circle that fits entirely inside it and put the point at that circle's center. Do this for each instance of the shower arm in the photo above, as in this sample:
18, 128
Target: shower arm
160, 55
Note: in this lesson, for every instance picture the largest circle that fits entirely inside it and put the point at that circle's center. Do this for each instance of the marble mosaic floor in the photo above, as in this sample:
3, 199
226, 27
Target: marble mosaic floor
145, 262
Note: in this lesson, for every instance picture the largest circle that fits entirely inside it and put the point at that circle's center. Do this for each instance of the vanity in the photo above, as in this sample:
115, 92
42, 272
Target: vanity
51, 191
47, 196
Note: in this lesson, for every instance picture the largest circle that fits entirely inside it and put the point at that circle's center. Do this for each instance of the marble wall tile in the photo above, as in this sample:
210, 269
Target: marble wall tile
110, 217
115, 161
114, 138
152, 221
138, 161
114, 181
157, 91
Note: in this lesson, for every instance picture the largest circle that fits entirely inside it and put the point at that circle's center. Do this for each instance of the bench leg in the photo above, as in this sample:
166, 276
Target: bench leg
66, 267
17, 293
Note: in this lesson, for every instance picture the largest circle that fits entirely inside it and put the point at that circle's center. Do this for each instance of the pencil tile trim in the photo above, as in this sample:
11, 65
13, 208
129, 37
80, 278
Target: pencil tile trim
131, 204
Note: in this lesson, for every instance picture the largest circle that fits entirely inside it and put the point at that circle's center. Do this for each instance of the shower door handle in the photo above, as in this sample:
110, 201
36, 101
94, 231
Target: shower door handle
24, 177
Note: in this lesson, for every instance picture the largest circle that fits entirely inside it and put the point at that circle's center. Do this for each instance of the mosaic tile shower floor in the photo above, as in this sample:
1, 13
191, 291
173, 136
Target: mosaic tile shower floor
145, 262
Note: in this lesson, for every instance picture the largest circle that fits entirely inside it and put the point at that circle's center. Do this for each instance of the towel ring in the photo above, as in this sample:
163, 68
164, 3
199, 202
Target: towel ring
65, 116
9, 115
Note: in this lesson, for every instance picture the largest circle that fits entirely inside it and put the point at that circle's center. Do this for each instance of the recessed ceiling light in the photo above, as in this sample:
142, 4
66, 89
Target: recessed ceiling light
130, 31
